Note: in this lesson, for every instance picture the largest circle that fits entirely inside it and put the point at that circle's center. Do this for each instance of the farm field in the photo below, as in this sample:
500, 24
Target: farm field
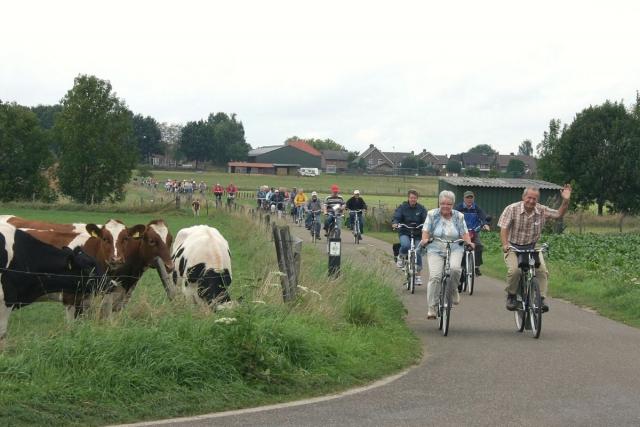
158, 359
368, 184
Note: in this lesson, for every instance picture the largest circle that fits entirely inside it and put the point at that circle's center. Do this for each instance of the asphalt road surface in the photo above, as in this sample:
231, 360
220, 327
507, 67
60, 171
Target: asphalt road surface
584, 370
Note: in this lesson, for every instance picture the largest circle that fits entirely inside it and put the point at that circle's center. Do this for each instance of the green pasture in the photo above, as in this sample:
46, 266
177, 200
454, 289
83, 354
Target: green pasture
160, 359
368, 184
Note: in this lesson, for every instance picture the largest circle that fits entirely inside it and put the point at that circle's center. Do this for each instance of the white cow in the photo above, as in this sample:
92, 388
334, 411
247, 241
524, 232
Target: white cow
202, 264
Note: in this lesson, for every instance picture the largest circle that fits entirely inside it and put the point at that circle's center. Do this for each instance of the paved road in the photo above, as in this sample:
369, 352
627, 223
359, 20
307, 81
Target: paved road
584, 370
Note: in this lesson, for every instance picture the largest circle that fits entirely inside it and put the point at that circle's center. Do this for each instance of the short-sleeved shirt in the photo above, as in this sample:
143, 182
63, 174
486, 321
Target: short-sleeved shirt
448, 229
525, 228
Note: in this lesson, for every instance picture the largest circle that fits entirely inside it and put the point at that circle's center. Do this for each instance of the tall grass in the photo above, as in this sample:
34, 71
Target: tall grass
159, 359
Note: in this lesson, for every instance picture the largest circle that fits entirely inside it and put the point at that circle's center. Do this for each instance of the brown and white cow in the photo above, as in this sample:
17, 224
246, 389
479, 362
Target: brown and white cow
151, 250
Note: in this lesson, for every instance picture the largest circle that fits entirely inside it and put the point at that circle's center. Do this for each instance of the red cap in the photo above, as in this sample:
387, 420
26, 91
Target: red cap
334, 188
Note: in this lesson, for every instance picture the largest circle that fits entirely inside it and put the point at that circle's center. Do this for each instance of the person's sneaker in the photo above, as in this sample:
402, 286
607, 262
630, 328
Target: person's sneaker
545, 307
431, 312
418, 281
456, 297
512, 302
318, 237
400, 262
478, 271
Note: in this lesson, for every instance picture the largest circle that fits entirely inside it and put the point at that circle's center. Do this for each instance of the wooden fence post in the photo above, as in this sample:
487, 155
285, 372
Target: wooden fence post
282, 261
290, 265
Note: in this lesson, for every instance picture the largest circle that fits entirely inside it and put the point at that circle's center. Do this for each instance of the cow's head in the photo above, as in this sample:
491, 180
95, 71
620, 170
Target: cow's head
156, 242
114, 237
84, 270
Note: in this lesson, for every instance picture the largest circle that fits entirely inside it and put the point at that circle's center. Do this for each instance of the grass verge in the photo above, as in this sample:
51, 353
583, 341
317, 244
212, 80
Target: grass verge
158, 359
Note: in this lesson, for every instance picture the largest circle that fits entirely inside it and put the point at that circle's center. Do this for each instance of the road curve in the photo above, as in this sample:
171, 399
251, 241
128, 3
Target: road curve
584, 370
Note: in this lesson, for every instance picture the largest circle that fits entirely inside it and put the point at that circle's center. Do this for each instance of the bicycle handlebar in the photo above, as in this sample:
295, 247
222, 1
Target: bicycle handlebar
543, 248
417, 227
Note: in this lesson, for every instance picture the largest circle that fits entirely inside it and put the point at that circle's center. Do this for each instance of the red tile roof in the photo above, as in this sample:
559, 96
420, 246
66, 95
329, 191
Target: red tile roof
301, 145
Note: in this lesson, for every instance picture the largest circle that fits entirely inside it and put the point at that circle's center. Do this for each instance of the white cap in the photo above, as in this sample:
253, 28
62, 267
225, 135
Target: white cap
356, 191
314, 193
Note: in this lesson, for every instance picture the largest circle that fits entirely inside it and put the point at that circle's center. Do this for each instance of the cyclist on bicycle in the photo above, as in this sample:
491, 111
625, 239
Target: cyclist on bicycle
413, 214
231, 192
299, 202
314, 205
278, 199
520, 226
356, 203
448, 224
332, 201
218, 190
475, 218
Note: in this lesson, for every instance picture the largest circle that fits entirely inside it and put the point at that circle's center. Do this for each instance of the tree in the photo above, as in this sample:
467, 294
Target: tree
453, 166
148, 137
483, 149
197, 141
472, 171
218, 139
549, 167
98, 145
600, 151
47, 114
516, 168
525, 148
24, 155
413, 164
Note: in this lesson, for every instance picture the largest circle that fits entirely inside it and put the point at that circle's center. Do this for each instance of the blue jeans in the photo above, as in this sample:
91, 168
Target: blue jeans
352, 220
405, 245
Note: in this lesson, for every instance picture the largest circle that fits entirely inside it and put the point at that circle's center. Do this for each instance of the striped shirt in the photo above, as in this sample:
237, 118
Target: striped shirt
525, 228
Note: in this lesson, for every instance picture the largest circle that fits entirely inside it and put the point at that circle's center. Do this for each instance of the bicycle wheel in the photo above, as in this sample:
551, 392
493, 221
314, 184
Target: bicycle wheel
440, 304
446, 311
521, 312
471, 270
412, 270
535, 308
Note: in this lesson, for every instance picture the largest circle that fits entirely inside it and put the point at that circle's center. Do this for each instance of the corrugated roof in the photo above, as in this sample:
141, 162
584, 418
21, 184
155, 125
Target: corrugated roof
335, 155
500, 182
262, 150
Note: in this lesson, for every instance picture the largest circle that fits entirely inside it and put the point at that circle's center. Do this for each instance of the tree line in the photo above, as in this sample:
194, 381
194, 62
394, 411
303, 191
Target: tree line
599, 153
86, 146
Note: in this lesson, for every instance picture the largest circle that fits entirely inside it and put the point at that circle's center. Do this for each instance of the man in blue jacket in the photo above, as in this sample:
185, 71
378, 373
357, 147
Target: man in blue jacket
476, 219
410, 213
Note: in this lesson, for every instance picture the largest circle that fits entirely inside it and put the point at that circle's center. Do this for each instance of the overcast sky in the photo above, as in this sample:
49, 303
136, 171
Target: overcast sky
403, 75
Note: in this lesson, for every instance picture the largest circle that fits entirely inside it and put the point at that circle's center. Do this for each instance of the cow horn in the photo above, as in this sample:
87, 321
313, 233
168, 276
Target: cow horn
169, 288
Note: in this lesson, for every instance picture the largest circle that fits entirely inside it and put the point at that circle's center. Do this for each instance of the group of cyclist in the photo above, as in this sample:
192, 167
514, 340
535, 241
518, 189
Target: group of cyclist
520, 223
218, 191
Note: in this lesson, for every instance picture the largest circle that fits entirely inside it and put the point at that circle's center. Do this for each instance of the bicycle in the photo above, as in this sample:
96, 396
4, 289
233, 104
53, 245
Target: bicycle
411, 260
231, 200
529, 310
468, 275
445, 299
315, 226
299, 219
334, 228
218, 197
357, 236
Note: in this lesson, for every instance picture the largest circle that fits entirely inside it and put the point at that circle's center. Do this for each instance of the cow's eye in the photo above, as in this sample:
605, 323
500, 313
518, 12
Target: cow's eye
152, 242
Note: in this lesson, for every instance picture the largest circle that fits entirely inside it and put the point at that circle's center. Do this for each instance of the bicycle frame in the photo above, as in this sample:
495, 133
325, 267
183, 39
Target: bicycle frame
446, 288
528, 294
356, 225
410, 262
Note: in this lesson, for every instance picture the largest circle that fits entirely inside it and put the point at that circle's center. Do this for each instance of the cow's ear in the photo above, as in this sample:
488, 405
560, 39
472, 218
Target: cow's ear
137, 231
93, 230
